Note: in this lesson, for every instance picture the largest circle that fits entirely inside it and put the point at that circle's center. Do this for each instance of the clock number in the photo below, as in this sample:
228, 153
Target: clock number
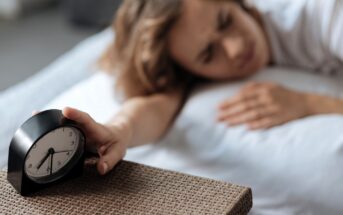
30, 166
59, 163
70, 134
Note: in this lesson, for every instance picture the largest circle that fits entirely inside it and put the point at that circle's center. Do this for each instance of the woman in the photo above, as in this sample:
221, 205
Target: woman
163, 47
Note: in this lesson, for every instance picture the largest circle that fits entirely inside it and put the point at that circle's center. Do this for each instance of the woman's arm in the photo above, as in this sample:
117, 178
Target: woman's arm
148, 118
320, 104
141, 120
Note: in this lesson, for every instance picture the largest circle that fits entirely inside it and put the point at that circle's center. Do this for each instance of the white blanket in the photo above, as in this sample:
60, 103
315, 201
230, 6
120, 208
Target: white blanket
292, 169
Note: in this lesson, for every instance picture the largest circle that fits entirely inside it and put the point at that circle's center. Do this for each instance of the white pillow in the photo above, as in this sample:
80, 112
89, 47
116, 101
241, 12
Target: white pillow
292, 169
295, 168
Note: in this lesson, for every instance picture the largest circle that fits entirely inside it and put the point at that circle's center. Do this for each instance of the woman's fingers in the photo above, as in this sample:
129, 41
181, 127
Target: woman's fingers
110, 157
262, 123
103, 148
240, 98
79, 116
251, 115
246, 117
82, 118
109, 149
250, 92
96, 134
239, 108
35, 112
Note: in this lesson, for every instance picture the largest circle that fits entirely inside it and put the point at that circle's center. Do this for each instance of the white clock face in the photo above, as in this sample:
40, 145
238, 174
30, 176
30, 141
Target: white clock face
52, 152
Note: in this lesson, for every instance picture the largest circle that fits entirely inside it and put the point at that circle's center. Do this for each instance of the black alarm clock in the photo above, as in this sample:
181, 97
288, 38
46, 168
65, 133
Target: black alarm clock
47, 149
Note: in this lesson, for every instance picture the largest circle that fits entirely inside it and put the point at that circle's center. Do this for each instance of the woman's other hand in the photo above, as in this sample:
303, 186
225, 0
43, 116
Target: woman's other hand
263, 105
110, 140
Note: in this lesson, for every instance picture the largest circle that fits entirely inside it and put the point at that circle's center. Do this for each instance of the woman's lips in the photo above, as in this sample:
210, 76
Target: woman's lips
248, 56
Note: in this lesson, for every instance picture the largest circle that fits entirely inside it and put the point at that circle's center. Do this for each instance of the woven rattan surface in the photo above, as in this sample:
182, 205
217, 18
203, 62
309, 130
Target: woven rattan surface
130, 189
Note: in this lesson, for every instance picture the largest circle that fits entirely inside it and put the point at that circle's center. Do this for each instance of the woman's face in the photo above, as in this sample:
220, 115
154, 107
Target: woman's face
218, 40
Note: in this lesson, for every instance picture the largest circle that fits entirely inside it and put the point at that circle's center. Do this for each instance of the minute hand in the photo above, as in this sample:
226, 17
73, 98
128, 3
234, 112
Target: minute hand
63, 151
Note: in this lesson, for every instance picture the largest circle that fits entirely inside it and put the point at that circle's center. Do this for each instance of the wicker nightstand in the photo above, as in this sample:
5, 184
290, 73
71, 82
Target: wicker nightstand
130, 189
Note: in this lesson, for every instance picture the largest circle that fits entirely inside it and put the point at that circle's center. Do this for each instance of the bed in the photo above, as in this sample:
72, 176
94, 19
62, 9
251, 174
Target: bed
295, 168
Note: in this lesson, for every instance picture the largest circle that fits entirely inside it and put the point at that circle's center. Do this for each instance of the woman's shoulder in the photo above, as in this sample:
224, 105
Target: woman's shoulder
321, 16
303, 33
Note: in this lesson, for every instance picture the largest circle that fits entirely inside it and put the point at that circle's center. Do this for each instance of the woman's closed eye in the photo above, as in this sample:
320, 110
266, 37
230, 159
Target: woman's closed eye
224, 20
208, 54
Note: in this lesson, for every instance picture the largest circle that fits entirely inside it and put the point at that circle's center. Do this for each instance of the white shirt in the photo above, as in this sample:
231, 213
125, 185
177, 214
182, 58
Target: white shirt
305, 33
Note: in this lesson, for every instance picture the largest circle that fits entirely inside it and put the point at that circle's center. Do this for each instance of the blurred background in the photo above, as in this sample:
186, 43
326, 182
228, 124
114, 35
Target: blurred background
33, 33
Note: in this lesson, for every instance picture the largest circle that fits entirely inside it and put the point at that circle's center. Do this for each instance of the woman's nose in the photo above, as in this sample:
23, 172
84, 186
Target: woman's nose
233, 46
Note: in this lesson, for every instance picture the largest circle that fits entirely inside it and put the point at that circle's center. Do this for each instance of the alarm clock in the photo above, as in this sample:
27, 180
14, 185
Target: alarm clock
47, 149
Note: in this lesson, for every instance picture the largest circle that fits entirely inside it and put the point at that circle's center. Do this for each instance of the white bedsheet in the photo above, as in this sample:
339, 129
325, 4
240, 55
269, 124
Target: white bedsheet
293, 169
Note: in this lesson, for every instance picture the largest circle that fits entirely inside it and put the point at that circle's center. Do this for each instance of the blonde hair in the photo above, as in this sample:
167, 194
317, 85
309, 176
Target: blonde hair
138, 56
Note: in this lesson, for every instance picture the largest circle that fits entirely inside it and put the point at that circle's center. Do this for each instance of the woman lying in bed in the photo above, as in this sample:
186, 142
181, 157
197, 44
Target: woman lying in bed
164, 47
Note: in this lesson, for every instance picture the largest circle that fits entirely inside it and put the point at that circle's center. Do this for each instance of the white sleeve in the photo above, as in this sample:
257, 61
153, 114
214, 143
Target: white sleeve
331, 26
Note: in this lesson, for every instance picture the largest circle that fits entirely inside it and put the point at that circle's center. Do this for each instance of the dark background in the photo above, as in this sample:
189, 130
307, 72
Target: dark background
42, 33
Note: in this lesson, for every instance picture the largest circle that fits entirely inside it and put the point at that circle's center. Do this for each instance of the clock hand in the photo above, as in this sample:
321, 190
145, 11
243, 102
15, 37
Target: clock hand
50, 151
43, 160
52, 158
64, 151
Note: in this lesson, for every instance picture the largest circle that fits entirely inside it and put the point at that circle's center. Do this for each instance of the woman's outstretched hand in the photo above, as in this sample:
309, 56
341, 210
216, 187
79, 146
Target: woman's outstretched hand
263, 105
111, 141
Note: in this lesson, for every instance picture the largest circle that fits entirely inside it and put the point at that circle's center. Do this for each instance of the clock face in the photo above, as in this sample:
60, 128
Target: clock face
51, 156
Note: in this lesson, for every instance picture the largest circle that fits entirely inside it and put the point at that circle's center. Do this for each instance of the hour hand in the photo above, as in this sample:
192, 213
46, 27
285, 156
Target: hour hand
51, 162
43, 160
